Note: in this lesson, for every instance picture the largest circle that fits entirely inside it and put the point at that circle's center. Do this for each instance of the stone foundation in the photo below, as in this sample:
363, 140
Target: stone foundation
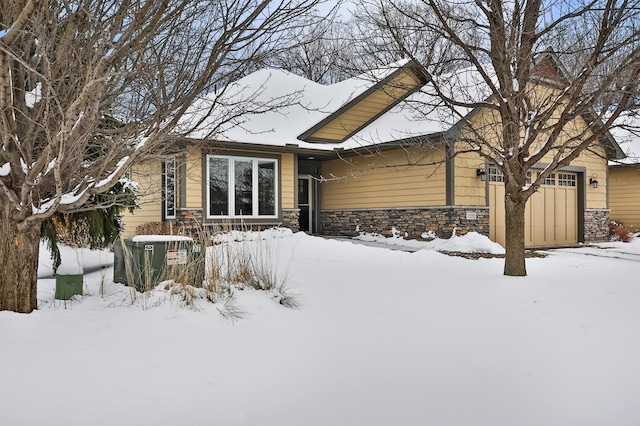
411, 223
596, 225
291, 219
189, 222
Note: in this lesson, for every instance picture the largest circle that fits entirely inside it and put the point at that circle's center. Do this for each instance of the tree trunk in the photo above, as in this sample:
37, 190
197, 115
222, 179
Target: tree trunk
514, 262
18, 264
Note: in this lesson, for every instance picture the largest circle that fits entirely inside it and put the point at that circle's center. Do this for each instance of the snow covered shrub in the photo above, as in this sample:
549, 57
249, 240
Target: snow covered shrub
617, 232
248, 260
218, 286
184, 294
228, 307
285, 297
263, 273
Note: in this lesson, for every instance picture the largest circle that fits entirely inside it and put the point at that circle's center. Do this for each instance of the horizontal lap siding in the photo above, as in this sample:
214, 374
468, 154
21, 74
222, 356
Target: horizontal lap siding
288, 187
624, 196
469, 190
148, 176
367, 108
194, 178
596, 165
196, 175
372, 183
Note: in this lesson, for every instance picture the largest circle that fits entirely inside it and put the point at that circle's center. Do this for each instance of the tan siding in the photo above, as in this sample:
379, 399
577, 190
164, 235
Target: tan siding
593, 160
595, 164
148, 176
194, 178
385, 181
196, 175
288, 185
469, 189
624, 196
365, 110
552, 213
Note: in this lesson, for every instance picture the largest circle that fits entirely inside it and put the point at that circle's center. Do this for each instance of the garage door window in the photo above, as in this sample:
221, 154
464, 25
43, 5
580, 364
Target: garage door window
565, 179
549, 180
495, 174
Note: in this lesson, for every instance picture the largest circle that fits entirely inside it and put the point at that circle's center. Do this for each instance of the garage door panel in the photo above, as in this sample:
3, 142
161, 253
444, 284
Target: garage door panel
529, 217
551, 215
496, 213
560, 211
537, 219
572, 220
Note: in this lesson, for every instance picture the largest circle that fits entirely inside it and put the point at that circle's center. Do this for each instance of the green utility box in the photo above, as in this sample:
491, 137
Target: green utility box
146, 260
68, 286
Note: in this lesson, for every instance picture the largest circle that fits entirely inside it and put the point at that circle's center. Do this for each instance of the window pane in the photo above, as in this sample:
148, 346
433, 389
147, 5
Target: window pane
495, 175
266, 187
243, 187
566, 179
170, 189
218, 186
549, 180
303, 191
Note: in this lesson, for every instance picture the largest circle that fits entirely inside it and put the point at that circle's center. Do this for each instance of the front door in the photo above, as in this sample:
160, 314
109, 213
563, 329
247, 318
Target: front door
305, 203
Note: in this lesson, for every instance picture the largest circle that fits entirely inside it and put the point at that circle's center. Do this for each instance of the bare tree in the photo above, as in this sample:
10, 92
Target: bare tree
489, 60
67, 66
341, 48
373, 45
320, 53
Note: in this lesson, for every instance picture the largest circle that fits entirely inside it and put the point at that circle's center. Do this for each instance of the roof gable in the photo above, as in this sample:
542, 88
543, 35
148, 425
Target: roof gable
273, 107
547, 69
365, 108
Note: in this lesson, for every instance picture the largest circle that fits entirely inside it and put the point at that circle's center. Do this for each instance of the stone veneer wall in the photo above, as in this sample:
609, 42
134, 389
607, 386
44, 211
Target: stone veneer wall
190, 222
189, 219
412, 221
596, 225
291, 219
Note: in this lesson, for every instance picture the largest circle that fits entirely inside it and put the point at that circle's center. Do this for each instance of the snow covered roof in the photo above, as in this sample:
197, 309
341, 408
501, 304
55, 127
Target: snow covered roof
283, 107
627, 134
276, 108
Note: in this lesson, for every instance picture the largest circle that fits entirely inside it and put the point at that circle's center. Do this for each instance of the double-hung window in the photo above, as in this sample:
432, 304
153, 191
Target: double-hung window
242, 187
169, 188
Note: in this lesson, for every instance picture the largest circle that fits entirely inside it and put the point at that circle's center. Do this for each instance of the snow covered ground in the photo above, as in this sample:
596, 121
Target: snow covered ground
382, 338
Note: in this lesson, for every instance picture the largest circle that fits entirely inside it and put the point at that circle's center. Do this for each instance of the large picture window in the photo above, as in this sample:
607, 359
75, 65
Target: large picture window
241, 187
169, 188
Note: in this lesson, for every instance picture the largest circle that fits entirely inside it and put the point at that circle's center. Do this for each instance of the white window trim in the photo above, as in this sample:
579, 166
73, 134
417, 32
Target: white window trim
165, 191
254, 182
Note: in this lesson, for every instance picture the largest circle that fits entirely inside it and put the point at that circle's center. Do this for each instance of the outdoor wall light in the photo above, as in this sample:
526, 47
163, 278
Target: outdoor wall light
481, 174
593, 181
